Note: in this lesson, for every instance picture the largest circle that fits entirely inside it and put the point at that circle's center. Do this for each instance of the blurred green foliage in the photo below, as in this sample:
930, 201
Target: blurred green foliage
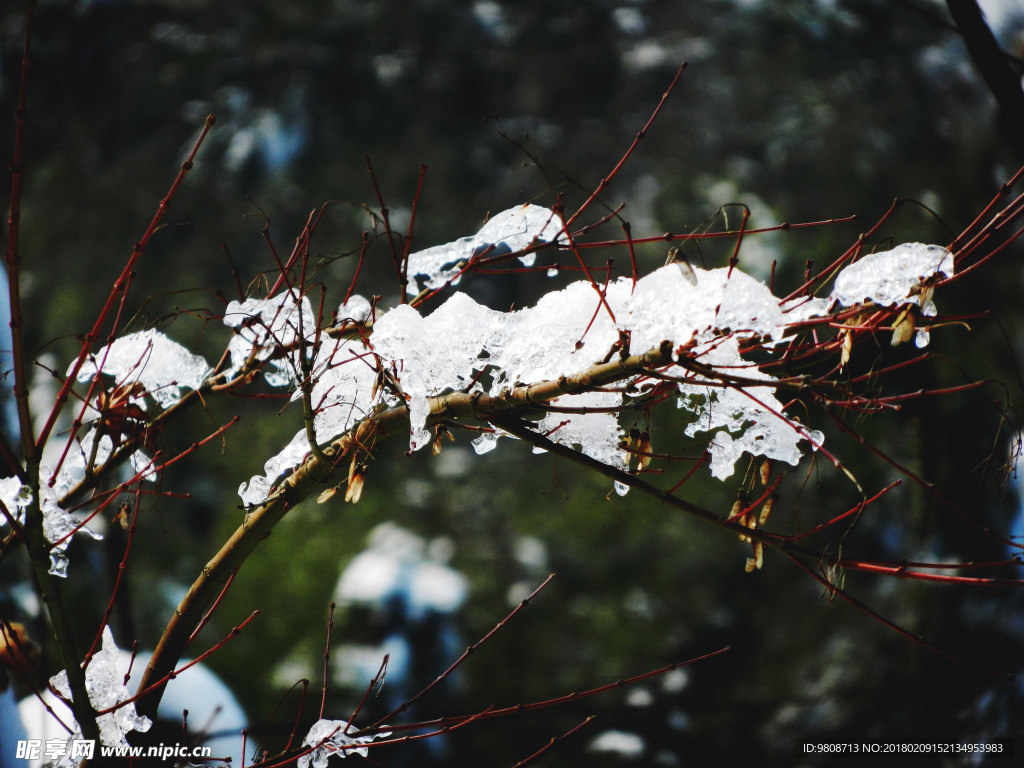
802, 110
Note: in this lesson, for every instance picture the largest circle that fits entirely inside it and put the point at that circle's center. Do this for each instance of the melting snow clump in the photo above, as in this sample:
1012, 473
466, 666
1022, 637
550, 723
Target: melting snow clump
264, 326
330, 738
505, 232
709, 316
888, 277
58, 524
162, 366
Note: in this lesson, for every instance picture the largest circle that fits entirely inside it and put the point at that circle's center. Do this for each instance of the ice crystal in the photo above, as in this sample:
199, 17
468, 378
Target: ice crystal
58, 524
162, 366
342, 383
283, 333
58, 527
330, 737
356, 309
597, 434
15, 498
436, 353
571, 329
713, 314
82, 451
888, 278
106, 689
269, 328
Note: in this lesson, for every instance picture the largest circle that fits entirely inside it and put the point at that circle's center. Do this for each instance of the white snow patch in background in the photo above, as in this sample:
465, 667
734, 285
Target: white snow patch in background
629, 746
397, 564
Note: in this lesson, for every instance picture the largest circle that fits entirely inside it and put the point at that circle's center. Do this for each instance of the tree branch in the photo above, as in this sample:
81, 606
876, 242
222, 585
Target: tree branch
995, 70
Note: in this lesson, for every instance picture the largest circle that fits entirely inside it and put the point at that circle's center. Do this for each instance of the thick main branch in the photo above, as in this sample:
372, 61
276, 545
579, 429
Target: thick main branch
314, 471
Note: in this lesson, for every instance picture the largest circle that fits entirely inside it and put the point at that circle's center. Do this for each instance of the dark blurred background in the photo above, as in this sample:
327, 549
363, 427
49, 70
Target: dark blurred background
801, 109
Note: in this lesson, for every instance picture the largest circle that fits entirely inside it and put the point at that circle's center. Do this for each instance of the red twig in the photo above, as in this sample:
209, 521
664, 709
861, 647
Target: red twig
384, 213
1003, 192
627, 230
466, 654
860, 606
359, 266
552, 743
235, 631
853, 511
381, 671
121, 285
584, 267
121, 568
669, 237
216, 603
407, 246
849, 254
734, 259
558, 700
618, 166
303, 686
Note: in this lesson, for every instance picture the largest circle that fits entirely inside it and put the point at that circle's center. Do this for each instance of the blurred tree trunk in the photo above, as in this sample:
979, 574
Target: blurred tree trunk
995, 69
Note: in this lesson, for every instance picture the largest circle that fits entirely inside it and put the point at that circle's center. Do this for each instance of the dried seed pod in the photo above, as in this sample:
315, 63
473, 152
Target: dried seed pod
905, 325
846, 349
754, 563
632, 445
677, 257
644, 446
440, 432
123, 516
766, 471
737, 507
766, 510
327, 494
743, 518
356, 477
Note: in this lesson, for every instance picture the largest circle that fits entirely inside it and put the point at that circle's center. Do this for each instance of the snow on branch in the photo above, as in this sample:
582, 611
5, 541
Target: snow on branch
266, 326
711, 317
107, 694
58, 524
330, 737
163, 367
507, 232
